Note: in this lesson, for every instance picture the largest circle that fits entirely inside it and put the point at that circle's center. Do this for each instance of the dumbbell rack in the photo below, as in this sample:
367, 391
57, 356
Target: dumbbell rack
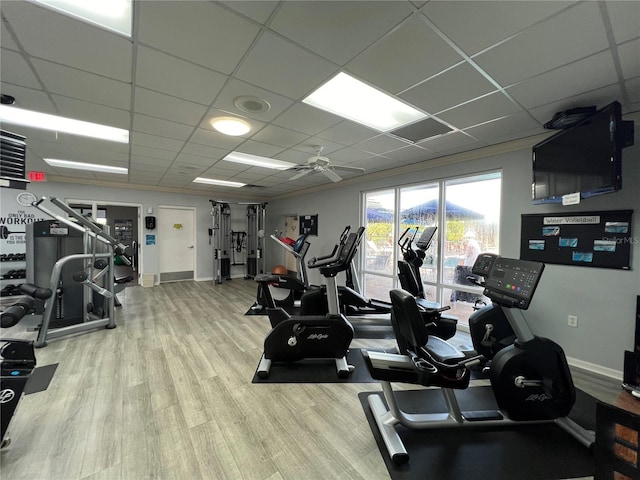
12, 273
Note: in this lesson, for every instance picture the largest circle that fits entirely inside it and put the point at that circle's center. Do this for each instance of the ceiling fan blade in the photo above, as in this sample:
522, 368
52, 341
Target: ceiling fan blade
301, 173
333, 176
348, 169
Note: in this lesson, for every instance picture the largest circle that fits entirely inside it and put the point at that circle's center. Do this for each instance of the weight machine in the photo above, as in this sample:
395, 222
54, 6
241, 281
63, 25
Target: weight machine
83, 285
225, 240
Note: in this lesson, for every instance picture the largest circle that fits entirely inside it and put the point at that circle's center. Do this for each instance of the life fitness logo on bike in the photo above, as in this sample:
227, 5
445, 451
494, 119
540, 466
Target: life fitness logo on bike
7, 395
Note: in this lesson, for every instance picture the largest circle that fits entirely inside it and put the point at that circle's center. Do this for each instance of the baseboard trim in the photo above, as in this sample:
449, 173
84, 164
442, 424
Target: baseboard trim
589, 367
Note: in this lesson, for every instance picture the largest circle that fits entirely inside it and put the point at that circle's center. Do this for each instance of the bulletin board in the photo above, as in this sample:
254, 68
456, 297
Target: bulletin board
588, 239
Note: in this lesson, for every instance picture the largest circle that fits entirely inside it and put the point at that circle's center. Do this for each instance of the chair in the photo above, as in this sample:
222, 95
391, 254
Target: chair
617, 448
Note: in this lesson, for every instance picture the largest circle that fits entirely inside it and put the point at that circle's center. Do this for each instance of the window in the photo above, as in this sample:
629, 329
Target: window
466, 212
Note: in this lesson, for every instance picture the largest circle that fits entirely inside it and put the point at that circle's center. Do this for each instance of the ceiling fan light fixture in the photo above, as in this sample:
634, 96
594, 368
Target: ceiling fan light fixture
256, 161
350, 98
222, 183
231, 126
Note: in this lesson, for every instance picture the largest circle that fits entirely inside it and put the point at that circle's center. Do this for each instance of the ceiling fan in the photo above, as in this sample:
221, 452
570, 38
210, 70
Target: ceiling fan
320, 164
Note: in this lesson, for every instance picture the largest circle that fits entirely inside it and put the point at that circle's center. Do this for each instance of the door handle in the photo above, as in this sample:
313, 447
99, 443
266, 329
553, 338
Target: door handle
190, 246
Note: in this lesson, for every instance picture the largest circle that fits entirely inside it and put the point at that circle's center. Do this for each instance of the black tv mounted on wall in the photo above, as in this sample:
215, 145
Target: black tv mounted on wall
586, 158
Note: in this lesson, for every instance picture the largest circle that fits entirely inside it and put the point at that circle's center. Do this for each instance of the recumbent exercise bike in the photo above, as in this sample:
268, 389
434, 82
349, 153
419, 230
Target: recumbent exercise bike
530, 379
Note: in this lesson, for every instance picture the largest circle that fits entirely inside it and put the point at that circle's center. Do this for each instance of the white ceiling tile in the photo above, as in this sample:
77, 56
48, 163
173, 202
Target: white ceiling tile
196, 160
625, 19
15, 70
155, 153
211, 138
91, 112
146, 140
285, 68
486, 108
74, 83
629, 54
507, 128
575, 33
278, 136
236, 88
306, 119
167, 74
258, 148
195, 30
205, 151
166, 107
405, 57
412, 153
338, 30
381, 144
348, 133
258, 10
578, 77
29, 98
449, 141
452, 87
99, 51
349, 155
475, 25
90, 145
158, 126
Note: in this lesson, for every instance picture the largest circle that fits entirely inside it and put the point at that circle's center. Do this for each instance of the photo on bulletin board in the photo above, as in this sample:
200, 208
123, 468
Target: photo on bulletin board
590, 239
309, 224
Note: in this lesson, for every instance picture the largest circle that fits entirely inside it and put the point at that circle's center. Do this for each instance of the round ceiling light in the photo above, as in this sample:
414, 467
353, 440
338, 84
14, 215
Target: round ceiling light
230, 125
251, 104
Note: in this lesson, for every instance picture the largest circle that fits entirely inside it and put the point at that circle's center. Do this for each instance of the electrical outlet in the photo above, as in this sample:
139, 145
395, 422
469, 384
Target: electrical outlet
572, 321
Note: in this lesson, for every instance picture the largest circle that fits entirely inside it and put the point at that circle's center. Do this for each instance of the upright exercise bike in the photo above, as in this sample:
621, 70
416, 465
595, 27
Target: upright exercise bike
530, 379
329, 336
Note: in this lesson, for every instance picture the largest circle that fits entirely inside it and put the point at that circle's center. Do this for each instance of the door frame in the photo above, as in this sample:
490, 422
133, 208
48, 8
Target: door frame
194, 236
105, 203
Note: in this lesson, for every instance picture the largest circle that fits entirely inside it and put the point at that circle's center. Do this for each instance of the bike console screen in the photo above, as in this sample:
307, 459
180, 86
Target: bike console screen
512, 282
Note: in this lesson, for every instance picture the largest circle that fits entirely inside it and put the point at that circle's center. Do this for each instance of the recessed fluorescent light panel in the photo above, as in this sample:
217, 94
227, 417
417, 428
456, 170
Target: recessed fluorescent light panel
44, 121
350, 98
85, 166
256, 161
223, 183
113, 15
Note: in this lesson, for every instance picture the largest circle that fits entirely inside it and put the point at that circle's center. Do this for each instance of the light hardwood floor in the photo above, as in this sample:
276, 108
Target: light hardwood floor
168, 394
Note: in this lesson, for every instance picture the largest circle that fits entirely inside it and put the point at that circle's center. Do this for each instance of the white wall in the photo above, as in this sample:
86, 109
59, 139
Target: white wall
604, 300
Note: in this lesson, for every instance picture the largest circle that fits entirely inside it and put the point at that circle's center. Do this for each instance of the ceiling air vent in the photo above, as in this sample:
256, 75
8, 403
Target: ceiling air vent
421, 130
13, 151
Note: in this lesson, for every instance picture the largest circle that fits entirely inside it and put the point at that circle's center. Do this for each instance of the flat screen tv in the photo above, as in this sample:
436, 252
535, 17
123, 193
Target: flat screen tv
585, 158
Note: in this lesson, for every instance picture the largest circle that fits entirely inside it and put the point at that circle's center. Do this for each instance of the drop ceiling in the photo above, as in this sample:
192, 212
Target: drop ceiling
488, 72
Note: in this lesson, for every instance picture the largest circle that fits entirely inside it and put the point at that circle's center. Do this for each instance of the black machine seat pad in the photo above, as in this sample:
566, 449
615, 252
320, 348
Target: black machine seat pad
443, 351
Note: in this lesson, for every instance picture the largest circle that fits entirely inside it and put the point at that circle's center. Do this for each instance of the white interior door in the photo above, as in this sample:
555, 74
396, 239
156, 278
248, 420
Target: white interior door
176, 243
